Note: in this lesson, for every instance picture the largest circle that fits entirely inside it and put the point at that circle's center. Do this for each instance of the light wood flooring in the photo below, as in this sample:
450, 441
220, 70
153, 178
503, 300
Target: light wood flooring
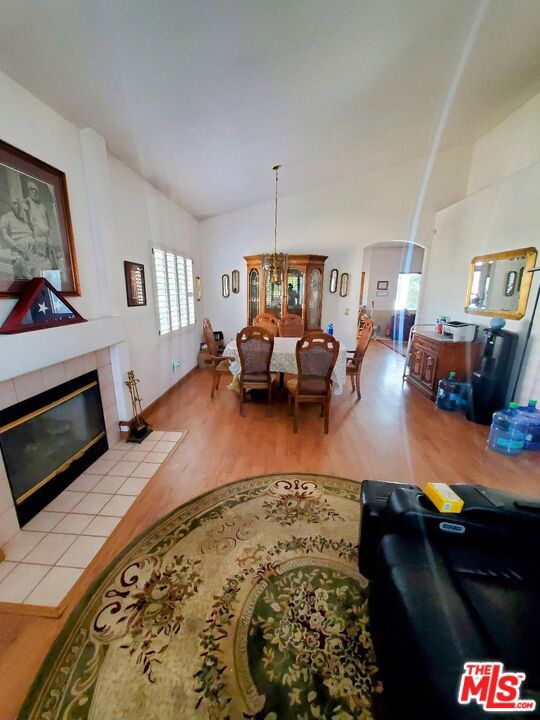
393, 433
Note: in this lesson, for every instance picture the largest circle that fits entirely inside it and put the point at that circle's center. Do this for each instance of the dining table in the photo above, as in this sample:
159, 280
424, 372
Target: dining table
284, 361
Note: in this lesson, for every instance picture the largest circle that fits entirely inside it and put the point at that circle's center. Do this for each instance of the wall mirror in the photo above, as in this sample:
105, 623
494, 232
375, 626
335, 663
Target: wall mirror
235, 281
344, 285
333, 280
499, 283
225, 286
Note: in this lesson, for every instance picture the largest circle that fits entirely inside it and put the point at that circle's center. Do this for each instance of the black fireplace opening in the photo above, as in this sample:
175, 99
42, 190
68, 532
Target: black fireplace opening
48, 440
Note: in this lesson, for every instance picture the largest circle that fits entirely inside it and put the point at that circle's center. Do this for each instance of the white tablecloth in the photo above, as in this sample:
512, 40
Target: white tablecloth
284, 360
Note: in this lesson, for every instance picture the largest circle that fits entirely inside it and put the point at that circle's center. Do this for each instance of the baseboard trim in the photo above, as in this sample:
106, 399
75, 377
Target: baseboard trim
169, 390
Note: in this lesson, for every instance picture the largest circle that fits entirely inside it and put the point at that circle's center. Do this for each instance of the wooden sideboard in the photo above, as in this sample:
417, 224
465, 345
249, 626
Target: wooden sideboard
433, 357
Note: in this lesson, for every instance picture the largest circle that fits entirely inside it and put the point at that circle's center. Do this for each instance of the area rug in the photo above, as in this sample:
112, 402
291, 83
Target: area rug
244, 603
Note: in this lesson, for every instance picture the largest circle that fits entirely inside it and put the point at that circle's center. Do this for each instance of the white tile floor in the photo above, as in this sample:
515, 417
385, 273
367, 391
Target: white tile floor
46, 558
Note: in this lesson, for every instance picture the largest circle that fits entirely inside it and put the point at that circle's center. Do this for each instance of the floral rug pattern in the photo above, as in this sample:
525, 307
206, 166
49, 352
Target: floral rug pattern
245, 603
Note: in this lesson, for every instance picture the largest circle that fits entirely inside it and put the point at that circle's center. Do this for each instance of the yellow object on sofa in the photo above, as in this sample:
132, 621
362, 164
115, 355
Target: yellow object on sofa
443, 497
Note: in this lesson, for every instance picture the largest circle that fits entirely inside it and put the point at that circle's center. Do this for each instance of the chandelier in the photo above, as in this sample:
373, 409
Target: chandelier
275, 263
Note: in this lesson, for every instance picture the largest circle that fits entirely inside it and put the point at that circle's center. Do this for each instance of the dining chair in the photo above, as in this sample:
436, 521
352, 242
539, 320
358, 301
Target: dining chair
220, 364
291, 325
354, 364
316, 355
255, 347
268, 321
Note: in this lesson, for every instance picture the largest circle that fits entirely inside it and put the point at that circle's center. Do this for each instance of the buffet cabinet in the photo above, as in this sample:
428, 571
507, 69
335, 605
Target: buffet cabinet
433, 357
300, 293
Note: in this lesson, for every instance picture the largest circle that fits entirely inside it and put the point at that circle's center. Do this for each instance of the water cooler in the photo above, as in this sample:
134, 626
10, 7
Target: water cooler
491, 377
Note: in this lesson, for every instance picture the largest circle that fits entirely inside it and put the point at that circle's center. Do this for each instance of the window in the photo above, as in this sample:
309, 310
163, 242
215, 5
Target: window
174, 288
408, 290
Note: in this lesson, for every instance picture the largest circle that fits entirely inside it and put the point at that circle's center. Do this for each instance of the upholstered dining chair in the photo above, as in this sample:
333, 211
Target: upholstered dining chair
220, 365
267, 321
354, 364
316, 355
255, 347
291, 326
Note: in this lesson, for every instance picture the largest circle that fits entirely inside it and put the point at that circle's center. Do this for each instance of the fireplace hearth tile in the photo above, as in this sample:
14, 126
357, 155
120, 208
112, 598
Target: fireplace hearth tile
54, 586
100, 467
74, 367
85, 483
8, 396
148, 444
74, 523
50, 549
135, 456
44, 521
164, 446
172, 436
65, 502
145, 470
21, 581
5, 568
21, 544
92, 503
124, 468
155, 457
102, 525
81, 552
118, 505
28, 385
115, 455
133, 485
157, 435
109, 484
53, 375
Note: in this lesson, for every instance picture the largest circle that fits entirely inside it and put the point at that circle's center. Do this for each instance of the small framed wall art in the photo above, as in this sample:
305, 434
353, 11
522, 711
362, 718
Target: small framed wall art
333, 280
135, 283
225, 286
198, 290
344, 285
382, 284
235, 281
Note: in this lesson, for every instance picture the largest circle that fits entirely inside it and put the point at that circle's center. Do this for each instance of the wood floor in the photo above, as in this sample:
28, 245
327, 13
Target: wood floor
393, 433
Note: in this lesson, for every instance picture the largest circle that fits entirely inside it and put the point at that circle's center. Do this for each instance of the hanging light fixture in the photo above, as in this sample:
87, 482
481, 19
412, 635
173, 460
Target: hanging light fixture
275, 263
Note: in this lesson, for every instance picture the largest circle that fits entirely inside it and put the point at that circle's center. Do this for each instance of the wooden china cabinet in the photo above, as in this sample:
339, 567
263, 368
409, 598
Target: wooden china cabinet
300, 294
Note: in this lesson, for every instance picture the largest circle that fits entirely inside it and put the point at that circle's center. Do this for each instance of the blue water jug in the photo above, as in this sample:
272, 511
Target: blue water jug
449, 393
330, 329
532, 431
507, 433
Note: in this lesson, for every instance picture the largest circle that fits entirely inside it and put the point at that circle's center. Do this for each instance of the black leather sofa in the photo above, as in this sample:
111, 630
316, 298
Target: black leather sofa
447, 589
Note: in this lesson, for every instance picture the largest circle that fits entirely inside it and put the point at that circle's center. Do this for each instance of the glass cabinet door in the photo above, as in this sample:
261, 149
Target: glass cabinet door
295, 292
272, 297
314, 299
253, 295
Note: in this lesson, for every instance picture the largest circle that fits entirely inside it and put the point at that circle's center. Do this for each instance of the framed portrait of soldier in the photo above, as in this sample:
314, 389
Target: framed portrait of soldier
36, 237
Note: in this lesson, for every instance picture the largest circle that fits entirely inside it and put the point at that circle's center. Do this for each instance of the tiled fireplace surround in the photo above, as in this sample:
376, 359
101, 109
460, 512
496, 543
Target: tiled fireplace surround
25, 386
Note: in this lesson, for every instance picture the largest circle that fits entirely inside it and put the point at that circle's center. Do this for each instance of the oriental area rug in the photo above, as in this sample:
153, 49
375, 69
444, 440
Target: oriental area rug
244, 603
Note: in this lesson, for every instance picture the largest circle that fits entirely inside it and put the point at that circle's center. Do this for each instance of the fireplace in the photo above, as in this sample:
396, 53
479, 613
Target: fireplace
49, 440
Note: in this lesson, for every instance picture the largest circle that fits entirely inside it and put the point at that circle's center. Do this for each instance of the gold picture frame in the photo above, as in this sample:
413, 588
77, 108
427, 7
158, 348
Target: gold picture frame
530, 255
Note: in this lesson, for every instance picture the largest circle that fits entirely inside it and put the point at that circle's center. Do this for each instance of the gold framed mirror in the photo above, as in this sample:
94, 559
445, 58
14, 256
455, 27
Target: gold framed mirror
499, 283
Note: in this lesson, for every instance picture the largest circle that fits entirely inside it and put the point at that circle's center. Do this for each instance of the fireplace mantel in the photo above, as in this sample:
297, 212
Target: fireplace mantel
25, 352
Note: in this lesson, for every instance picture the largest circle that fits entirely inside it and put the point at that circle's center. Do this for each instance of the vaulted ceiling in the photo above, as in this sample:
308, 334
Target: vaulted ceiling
202, 97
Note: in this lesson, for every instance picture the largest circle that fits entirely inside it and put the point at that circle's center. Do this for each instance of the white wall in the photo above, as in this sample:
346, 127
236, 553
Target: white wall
338, 220
144, 218
503, 216
116, 216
